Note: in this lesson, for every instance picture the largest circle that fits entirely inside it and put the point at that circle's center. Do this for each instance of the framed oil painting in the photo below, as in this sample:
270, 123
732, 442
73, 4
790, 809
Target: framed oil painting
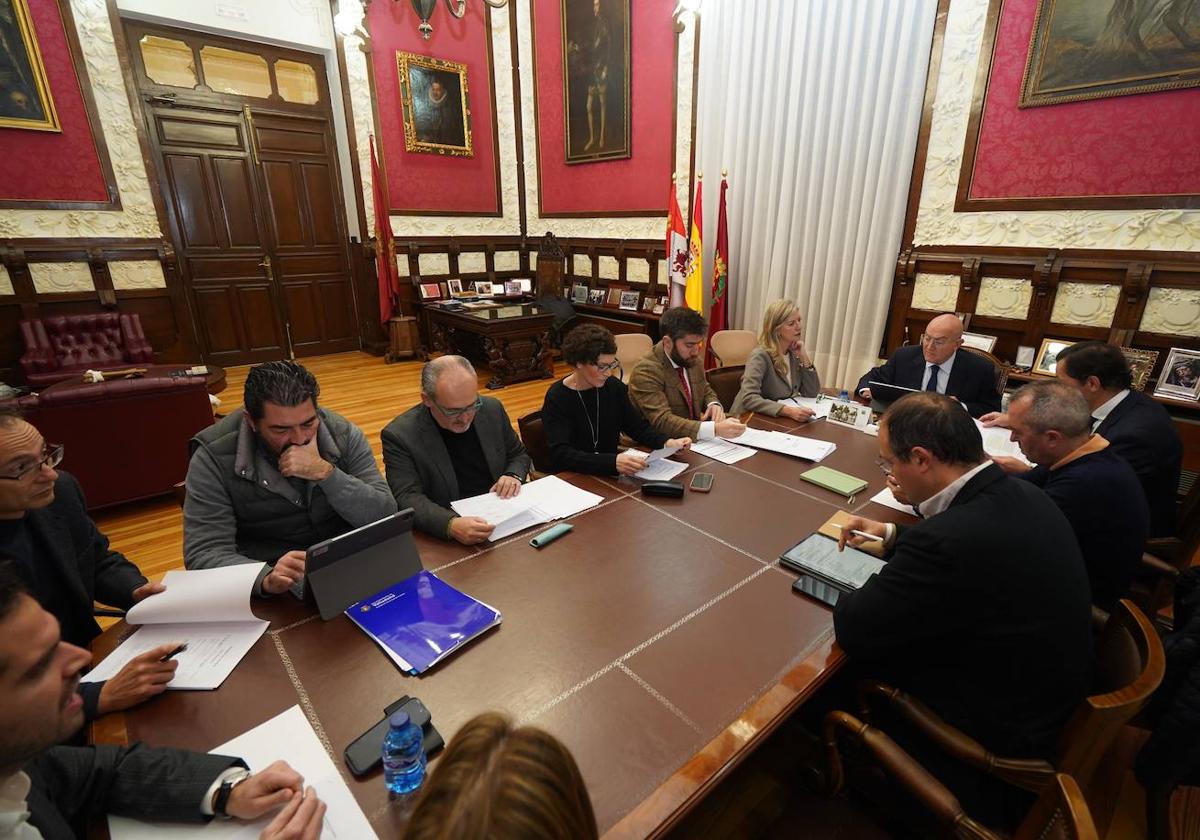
1141, 362
596, 91
25, 100
433, 96
1093, 49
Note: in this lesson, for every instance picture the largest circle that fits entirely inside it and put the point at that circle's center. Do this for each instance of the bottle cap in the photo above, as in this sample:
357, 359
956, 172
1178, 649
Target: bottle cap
399, 720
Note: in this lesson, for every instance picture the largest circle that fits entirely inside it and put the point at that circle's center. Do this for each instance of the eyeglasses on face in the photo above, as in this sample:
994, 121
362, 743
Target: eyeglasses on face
609, 367
459, 412
884, 465
926, 338
52, 455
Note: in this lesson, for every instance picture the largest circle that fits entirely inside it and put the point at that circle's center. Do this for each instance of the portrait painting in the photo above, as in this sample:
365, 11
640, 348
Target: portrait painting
1141, 362
433, 94
1092, 49
1047, 356
1180, 375
25, 100
595, 38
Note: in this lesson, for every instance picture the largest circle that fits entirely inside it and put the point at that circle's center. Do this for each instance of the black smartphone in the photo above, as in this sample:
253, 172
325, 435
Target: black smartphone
701, 482
806, 585
365, 752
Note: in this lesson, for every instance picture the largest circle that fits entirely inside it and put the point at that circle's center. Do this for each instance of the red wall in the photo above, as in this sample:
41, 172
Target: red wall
420, 181
1146, 144
640, 183
52, 166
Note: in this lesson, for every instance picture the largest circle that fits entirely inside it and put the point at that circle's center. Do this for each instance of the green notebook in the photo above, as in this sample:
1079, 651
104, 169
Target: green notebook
839, 482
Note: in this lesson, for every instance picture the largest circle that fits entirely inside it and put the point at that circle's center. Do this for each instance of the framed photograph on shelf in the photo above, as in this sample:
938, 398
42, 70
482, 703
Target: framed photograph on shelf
526, 285
433, 95
482, 287
647, 303
512, 288
1180, 375
455, 287
596, 296
579, 293
629, 300
614, 297
1047, 356
979, 341
662, 301
1141, 362
430, 291
1025, 356
658, 309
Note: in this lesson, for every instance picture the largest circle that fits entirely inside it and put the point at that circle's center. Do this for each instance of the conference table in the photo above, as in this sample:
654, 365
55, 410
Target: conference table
660, 640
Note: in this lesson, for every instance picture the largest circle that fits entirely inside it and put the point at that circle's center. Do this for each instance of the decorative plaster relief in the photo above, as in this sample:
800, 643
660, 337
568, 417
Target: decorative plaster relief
6, 286
137, 274
1172, 312
137, 217
472, 263
507, 261
938, 224
935, 292
610, 268
435, 264
51, 278
637, 271
1004, 297
1085, 304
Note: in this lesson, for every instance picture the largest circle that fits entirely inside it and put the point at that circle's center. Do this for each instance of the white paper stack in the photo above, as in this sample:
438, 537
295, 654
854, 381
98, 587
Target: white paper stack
539, 501
818, 405
720, 449
997, 441
785, 444
886, 498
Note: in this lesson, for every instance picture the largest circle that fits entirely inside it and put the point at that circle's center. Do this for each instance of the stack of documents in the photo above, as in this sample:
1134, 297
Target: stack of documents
819, 406
209, 609
997, 441
659, 467
287, 736
539, 501
720, 449
886, 498
785, 444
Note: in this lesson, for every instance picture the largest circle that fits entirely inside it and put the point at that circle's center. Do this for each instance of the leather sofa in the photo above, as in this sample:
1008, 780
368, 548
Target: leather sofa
64, 346
126, 439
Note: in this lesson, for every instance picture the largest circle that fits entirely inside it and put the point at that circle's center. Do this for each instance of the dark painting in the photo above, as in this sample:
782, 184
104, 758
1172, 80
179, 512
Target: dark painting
436, 116
25, 100
596, 79
1091, 49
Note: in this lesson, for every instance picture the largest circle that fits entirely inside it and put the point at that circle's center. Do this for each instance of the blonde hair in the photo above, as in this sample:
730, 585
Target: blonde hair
776, 313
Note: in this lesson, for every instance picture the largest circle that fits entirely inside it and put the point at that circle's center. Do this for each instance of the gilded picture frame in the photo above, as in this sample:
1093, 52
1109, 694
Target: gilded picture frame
1141, 363
596, 80
1095, 49
25, 98
1047, 355
433, 99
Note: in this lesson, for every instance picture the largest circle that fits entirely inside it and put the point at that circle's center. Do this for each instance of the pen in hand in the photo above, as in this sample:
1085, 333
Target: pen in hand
862, 534
178, 650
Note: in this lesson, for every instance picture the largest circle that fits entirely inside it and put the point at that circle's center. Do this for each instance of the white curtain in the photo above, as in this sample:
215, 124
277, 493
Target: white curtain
813, 106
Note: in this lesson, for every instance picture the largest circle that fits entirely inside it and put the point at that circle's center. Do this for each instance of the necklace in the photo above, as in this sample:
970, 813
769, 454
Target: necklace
595, 430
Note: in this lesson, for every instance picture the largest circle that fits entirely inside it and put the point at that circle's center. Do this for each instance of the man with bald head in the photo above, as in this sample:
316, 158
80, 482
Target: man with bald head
936, 365
454, 445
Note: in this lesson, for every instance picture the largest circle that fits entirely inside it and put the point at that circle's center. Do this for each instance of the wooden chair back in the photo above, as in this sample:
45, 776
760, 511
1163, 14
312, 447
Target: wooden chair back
533, 435
1060, 813
1002, 368
630, 348
726, 382
732, 347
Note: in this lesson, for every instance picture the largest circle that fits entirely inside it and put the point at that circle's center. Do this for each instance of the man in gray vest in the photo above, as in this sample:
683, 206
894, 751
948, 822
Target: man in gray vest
275, 477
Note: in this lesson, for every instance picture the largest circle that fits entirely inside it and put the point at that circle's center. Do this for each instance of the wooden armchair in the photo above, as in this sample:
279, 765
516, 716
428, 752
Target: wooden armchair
1060, 813
533, 435
1129, 666
1002, 368
726, 382
1166, 557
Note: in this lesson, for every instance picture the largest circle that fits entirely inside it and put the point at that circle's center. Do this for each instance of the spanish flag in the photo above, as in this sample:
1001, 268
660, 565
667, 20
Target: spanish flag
694, 293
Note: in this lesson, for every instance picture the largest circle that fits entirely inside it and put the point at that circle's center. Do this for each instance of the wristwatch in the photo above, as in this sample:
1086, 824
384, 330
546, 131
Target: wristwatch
224, 791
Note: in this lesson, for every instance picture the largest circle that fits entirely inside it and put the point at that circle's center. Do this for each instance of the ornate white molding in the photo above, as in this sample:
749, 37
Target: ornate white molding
1004, 297
938, 224
507, 261
6, 286
1172, 312
935, 292
609, 267
434, 264
470, 263
50, 278
137, 274
1085, 304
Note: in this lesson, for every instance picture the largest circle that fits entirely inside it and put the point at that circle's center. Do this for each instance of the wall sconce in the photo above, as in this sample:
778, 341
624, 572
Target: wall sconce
458, 8
349, 19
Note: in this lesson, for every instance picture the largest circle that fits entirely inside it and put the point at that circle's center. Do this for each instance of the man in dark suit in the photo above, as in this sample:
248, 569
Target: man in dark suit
1136, 427
51, 791
982, 610
937, 365
67, 563
1093, 486
454, 445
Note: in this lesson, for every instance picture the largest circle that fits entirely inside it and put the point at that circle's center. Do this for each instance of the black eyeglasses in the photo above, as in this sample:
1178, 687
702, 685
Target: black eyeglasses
52, 455
459, 412
884, 465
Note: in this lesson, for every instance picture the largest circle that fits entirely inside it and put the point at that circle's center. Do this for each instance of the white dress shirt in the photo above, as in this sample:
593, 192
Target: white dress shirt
941, 500
708, 428
1106, 408
943, 373
14, 811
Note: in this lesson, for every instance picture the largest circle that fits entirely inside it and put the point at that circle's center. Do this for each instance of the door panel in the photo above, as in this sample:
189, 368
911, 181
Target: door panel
284, 201
218, 320
258, 317
234, 179
318, 190
193, 206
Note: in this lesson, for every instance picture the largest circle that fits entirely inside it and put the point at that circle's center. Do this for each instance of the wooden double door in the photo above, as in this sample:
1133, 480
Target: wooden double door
253, 199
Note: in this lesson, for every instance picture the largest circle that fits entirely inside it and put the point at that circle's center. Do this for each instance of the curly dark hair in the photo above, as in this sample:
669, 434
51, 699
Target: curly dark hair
584, 344
283, 383
680, 321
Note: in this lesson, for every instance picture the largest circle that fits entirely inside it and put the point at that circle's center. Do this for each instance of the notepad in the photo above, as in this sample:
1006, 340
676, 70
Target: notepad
720, 449
207, 608
839, 482
833, 529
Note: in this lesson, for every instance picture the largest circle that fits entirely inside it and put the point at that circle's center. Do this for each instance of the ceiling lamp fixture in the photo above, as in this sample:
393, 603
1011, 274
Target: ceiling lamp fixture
458, 8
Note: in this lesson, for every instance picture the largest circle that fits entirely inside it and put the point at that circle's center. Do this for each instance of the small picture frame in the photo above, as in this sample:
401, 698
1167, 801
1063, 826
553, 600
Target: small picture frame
629, 300
614, 297
579, 293
1047, 356
1025, 356
596, 297
647, 303
512, 288
1179, 378
525, 284
979, 341
1141, 363
482, 287
430, 291
658, 309
455, 287
850, 414
662, 301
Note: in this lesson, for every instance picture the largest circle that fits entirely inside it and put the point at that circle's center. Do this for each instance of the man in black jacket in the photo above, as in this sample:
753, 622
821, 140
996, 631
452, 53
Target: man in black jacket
937, 365
982, 610
51, 791
67, 563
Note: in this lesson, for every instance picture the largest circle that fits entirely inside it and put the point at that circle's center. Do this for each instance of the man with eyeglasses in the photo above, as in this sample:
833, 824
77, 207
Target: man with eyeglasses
938, 367
453, 445
275, 477
67, 563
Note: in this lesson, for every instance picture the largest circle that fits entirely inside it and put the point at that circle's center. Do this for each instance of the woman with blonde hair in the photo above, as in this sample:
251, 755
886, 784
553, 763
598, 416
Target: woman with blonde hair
779, 367
497, 782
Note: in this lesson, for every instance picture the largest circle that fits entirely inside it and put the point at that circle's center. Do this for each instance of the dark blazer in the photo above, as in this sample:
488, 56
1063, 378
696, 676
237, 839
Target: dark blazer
1140, 431
983, 612
418, 466
71, 784
972, 379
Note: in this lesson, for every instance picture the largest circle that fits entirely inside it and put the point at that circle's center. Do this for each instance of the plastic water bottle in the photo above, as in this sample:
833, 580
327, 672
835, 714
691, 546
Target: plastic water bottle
844, 396
403, 755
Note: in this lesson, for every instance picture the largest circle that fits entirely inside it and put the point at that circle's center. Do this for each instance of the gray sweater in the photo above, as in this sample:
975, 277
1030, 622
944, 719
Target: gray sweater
240, 509
762, 386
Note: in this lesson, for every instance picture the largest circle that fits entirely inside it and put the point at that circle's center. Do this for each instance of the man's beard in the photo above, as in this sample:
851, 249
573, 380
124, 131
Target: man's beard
687, 363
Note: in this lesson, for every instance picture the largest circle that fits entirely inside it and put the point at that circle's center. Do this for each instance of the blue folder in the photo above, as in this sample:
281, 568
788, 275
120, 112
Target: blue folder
421, 620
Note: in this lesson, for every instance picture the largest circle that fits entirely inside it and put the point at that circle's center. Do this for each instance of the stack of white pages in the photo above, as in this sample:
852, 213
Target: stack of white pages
539, 501
209, 610
720, 449
997, 441
659, 467
798, 447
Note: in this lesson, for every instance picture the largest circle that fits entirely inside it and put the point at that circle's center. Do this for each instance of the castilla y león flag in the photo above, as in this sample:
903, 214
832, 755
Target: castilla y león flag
677, 250
717, 316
